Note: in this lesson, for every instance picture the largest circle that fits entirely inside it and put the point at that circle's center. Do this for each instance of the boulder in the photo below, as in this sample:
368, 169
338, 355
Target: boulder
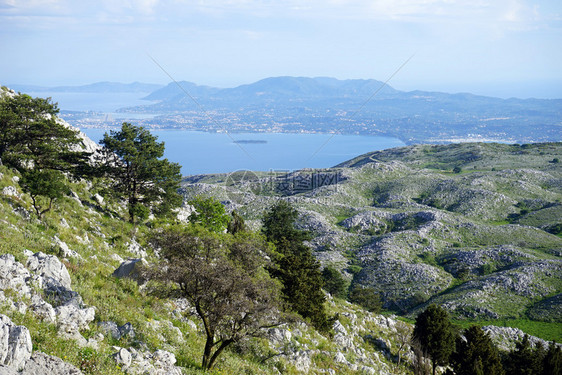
15, 344
63, 248
130, 269
50, 268
13, 275
123, 357
10, 191
41, 363
71, 315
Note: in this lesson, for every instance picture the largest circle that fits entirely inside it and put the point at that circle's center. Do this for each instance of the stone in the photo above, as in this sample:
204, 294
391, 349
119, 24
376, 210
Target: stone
72, 316
22, 212
64, 223
127, 331
278, 336
136, 249
43, 310
14, 276
98, 199
123, 357
63, 248
41, 364
10, 191
50, 268
15, 179
164, 358
111, 329
15, 344
129, 268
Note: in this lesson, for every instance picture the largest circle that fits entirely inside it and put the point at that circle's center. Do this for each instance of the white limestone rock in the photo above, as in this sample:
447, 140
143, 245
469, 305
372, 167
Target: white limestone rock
15, 344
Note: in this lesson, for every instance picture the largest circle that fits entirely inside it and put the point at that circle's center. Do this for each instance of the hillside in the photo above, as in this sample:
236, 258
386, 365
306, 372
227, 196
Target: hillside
484, 242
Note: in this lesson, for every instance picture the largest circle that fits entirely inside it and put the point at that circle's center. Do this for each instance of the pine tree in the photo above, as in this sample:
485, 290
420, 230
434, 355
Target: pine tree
137, 172
295, 266
552, 362
475, 354
521, 360
434, 333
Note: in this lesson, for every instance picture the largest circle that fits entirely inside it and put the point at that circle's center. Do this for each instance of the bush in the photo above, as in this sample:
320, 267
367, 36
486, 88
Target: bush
334, 283
366, 297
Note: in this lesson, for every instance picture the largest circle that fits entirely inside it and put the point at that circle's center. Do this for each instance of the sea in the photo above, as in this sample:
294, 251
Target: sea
205, 152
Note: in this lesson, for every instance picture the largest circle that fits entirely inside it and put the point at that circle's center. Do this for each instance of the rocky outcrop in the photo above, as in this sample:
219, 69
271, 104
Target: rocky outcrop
15, 344
133, 361
41, 363
130, 268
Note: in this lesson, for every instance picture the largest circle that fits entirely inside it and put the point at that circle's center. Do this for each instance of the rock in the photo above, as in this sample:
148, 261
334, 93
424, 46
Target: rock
16, 179
63, 223
22, 212
10, 191
63, 249
75, 317
41, 363
279, 336
13, 276
15, 344
123, 357
6, 370
339, 328
301, 361
43, 310
136, 249
340, 358
127, 331
129, 268
163, 358
98, 198
116, 257
111, 329
50, 268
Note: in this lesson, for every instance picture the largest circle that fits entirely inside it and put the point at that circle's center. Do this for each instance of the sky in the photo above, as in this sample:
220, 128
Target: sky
492, 47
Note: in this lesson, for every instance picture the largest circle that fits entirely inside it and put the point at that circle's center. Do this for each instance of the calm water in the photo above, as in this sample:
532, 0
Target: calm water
201, 152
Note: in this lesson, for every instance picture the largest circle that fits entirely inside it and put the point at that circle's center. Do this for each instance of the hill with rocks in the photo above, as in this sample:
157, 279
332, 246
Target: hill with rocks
482, 241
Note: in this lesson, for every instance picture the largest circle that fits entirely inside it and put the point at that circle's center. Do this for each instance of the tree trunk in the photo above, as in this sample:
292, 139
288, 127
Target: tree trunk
433, 362
206, 362
216, 354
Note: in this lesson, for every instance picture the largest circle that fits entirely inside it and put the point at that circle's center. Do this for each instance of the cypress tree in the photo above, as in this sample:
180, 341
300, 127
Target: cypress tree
295, 266
475, 354
434, 333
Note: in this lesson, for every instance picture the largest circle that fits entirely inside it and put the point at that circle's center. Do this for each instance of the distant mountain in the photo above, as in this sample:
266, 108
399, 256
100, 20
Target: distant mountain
277, 88
98, 87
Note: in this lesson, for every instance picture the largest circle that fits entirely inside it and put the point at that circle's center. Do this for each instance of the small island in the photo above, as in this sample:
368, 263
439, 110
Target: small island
251, 141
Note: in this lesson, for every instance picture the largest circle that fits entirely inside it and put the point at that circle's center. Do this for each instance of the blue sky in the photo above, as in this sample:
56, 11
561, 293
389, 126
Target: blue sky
494, 47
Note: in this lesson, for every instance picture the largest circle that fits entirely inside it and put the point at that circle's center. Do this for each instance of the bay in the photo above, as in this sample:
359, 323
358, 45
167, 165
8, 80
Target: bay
203, 152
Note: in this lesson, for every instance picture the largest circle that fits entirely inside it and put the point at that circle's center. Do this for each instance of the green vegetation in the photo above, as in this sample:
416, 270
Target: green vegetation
209, 213
136, 172
224, 278
295, 266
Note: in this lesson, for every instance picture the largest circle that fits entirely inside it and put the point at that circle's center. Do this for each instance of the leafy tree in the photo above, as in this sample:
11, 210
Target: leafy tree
367, 297
334, 283
295, 266
31, 136
132, 161
209, 213
224, 279
434, 333
457, 169
43, 185
475, 354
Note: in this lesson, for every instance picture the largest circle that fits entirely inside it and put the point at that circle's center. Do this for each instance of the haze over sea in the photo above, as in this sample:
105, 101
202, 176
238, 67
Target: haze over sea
203, 152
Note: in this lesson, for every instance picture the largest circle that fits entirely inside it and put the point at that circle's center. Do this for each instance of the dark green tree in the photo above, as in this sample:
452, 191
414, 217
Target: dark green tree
209, 213
524, 359
224, 279
32, 137
475, 354
44, 187
295, 266
434, 333
136, 171
334, 283
236, 224
552, 362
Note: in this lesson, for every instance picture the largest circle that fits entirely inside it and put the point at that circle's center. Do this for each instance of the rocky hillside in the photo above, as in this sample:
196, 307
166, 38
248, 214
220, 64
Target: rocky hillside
474, 227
